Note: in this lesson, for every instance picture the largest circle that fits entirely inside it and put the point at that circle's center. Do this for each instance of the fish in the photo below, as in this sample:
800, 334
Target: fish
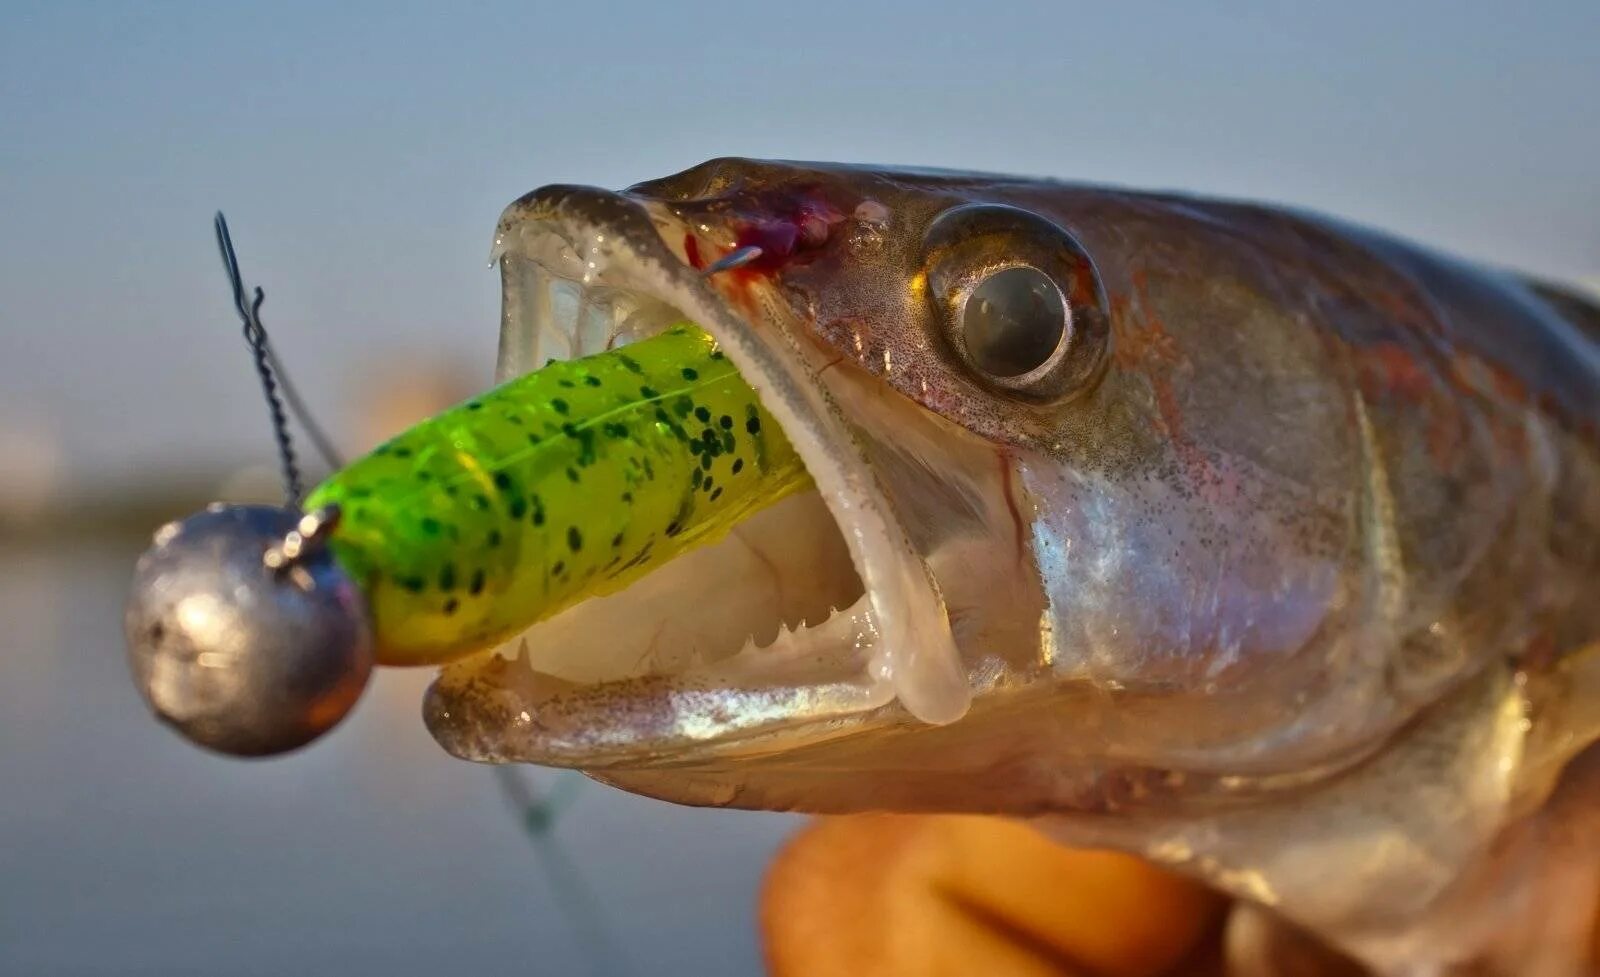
1256, 543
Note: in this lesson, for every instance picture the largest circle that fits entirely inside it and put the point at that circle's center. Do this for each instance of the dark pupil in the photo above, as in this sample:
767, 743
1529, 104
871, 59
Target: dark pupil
1013, 322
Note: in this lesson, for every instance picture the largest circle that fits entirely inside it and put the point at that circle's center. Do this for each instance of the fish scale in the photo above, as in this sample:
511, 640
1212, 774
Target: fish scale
565, 483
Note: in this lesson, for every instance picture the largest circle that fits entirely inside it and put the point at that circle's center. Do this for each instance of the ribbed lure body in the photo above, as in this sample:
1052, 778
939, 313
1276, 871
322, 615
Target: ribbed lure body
568, 482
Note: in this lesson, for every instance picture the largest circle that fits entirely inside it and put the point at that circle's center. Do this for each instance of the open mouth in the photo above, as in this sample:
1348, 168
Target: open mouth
780, 591
810, 611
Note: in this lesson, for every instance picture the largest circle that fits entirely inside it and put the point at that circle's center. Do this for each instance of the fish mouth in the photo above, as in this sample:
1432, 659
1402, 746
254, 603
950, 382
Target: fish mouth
812, 617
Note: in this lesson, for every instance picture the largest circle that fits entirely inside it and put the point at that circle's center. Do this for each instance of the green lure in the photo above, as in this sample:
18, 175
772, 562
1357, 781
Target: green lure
569, 482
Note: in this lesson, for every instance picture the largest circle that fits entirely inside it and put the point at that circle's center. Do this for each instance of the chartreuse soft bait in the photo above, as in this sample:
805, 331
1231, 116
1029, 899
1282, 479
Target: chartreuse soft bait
568, 482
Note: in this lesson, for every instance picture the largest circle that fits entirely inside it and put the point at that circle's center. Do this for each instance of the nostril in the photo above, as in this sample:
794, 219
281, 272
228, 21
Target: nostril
814, 231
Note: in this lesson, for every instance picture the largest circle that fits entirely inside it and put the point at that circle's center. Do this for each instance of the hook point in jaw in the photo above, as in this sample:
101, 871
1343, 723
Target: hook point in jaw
736, 258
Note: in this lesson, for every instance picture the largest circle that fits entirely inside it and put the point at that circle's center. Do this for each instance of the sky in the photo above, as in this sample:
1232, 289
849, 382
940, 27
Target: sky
363, 151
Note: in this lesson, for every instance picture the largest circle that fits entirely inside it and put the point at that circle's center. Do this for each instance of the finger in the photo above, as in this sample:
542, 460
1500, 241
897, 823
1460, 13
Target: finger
912, 895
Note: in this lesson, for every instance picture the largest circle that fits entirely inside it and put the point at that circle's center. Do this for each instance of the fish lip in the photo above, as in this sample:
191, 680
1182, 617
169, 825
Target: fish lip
622, 241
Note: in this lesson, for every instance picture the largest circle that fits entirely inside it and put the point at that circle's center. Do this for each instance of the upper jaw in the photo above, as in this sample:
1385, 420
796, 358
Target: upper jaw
888, 654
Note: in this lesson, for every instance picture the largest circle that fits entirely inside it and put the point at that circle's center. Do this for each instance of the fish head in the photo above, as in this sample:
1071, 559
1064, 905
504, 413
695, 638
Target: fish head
1093, 526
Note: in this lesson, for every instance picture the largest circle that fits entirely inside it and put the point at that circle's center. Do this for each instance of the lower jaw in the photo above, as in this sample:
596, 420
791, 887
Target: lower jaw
654, 674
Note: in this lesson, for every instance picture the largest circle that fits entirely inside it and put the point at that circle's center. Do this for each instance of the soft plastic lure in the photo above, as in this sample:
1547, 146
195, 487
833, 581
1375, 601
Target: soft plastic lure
568, 482
253, 629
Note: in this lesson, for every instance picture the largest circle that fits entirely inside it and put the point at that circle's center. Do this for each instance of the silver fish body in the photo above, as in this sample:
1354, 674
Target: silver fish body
1255, 543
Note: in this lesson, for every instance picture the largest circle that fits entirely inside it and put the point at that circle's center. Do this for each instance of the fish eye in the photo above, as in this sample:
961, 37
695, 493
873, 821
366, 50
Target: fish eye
1014, 322
1020, 303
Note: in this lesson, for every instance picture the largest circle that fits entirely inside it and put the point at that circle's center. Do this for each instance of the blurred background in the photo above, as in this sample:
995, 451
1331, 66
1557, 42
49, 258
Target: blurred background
362, 154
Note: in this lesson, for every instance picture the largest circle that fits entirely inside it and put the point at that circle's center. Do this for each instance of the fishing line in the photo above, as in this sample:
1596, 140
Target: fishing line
297, 407
536, 813
273, 376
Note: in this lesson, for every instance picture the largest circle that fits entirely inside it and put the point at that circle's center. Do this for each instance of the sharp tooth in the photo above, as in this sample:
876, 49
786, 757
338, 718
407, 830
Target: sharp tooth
528, 335
543, 318
781, 644
594, 322
566, 301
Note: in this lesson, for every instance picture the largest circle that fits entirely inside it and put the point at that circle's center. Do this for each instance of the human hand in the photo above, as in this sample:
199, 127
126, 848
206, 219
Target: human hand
906, 896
